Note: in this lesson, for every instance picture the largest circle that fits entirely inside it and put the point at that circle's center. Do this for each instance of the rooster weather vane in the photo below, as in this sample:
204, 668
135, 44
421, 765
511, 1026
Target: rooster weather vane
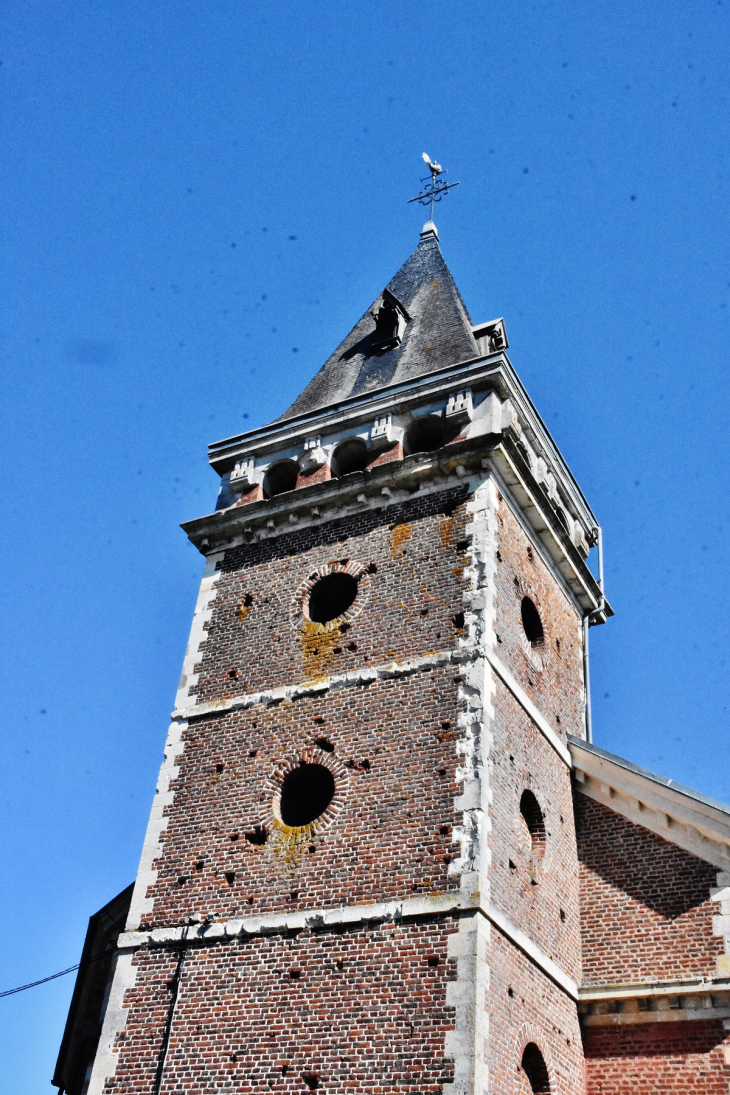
434, 190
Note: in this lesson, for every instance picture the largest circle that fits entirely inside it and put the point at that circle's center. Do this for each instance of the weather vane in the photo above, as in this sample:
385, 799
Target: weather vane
434, 190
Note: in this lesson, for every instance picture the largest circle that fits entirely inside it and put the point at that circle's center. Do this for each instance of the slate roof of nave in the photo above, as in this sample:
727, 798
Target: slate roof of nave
439, 334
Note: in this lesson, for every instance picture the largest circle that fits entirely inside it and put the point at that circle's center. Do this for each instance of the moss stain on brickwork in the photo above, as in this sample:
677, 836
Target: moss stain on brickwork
245, 607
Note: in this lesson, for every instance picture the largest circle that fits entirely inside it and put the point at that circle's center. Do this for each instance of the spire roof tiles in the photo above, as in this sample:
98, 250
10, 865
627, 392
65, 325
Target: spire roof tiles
438, 333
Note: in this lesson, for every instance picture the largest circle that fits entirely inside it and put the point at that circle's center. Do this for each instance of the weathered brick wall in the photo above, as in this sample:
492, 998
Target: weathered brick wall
533, 895
645, 908
553, 675
526, 1006
652, 1058
256, 639
350, 1011
394, 744
366, 1007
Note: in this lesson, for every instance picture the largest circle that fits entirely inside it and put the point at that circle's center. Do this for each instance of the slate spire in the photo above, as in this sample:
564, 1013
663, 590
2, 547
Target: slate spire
417, 325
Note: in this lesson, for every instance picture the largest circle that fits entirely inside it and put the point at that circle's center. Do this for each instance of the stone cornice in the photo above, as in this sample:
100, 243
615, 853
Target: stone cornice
352, 679
399, 481
355, 678
684, 817
655, 1002
319, 919
213, 931
292, 431
690, 986
493, 373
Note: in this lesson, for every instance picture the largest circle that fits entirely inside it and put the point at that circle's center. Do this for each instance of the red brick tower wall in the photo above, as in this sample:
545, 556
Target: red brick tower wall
356, 1010
392, 839
413, 557
537, 893
646, 916
297, 1001
552, 674
392, 742
646, 909
358, 1006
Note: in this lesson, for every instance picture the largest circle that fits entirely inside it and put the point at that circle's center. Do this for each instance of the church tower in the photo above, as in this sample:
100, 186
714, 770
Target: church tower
384, 855
360, 871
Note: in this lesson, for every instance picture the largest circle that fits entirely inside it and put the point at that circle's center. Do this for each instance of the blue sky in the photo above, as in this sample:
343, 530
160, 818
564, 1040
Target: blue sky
197, 201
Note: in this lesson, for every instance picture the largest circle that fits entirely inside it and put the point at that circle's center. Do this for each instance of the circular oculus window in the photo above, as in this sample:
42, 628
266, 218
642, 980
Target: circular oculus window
309, 791
333, 594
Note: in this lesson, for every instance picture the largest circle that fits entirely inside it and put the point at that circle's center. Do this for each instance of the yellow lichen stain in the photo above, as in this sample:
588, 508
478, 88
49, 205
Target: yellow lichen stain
245, 607
289, 841
318, 643
399, 535
446, 529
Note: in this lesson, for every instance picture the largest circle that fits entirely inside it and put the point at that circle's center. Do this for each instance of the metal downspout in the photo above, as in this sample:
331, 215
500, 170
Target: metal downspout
586, 655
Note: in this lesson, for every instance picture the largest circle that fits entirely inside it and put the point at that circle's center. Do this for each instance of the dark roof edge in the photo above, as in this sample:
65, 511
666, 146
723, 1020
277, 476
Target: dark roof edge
579, 743
86, 962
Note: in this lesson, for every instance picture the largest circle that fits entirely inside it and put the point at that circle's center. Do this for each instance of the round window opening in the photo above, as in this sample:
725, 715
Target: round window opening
532, 623
305, 794
331, 596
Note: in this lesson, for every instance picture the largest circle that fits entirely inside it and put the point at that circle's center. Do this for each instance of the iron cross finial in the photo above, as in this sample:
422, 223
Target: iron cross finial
434, 190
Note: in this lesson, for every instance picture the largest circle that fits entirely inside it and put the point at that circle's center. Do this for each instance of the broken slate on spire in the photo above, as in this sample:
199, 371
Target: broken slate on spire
390, 323
417, 325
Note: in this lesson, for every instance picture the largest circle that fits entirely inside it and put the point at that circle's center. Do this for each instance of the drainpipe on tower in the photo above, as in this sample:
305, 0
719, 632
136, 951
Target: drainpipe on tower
586, 624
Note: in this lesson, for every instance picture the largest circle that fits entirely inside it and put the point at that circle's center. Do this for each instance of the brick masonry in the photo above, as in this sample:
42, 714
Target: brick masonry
525, 1006
553, 673
646, 908
395, 743
671, 1058
532, 892
348, 1011
413, 771
256, 638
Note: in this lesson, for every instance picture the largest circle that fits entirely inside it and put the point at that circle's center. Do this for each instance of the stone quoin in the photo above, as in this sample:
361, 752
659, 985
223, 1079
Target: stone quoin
384, 855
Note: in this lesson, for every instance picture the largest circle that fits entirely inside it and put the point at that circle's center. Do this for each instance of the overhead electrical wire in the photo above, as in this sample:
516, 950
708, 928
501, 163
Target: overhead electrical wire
32, 985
